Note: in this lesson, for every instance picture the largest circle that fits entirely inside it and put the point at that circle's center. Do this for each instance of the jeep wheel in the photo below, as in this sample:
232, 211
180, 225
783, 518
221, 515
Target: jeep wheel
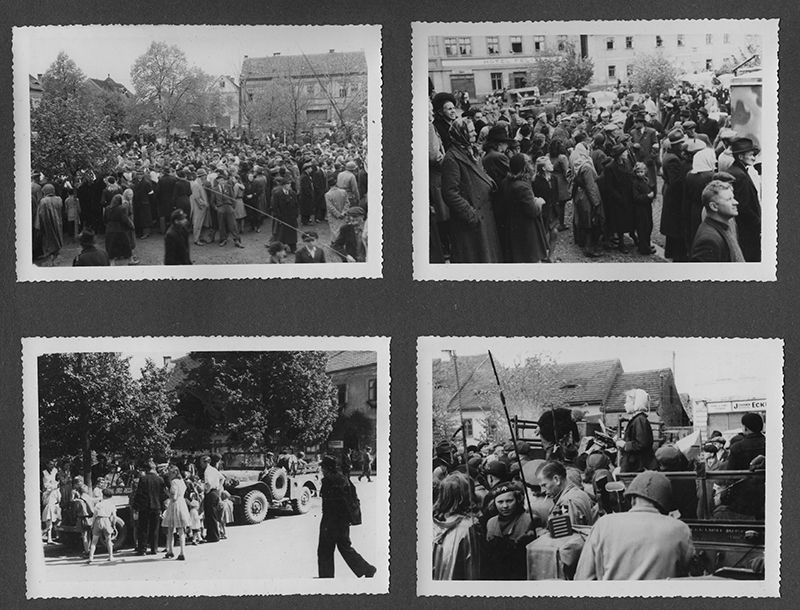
301, 504
121, 535
277, 482
254, 507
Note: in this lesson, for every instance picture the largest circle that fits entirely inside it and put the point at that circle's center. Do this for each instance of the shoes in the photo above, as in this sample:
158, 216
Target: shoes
370, 572
591, 254
169, 555
238, 244
223, 242
195, 543
181, 557
140, 553
652, 249
152, 552
199, 243
223, 537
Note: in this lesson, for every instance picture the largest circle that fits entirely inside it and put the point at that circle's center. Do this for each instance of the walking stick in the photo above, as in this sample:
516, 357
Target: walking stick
513, 437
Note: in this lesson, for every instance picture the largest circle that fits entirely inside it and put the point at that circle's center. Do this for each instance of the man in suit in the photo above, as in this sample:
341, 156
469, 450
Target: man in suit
165, 191
646, 137
748, 221
147, 505
715, 240
310, 252
352, 240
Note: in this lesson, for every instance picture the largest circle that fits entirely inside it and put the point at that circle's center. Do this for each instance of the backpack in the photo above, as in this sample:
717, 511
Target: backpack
353, 504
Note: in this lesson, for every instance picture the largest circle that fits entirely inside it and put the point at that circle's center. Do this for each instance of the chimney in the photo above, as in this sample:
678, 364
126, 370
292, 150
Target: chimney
167, 360
275, 54
331, 50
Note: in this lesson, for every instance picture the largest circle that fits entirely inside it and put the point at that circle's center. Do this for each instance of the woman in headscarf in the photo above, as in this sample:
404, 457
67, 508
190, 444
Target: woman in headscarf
588, 214
527, 238
48, 224
466, 190
118, 224
636, 448
704, 164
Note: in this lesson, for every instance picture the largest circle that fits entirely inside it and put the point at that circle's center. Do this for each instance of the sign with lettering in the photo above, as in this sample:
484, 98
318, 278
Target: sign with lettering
737, 406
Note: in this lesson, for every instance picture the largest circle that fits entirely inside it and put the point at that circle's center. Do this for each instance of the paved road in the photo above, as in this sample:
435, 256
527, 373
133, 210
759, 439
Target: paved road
281, 547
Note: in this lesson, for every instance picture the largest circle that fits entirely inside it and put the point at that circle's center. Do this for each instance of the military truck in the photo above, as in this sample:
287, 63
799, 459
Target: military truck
256, 489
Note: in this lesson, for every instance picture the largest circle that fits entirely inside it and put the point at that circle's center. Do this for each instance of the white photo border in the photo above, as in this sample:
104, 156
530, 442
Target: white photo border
764, 271
372, 268
36, 584
770, 355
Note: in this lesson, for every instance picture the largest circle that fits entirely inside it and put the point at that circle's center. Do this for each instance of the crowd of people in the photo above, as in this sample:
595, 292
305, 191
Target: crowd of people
502, 177
497, 505
209, 188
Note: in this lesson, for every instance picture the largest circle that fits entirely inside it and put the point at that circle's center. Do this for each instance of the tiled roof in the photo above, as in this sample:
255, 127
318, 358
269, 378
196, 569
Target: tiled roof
649, 381
180, 369
592, 380
342, 361
295, 65
34, 83
477, 379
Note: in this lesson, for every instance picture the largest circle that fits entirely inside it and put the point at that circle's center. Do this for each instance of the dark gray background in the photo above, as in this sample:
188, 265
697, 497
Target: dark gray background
396, 305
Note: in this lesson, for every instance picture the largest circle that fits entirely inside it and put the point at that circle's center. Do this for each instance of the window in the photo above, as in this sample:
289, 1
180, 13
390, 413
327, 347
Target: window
317, 116
520, 80
343, 91
221, 84
726, 38
610, 43
465, 46
433, 47
538, 43
629, 42
341, 396
709, 38
516, 44
468, 428
612, 71
372, 392
562, 42
681, 40
310, 88
659, 41
497, 80
249, 97
492, 45
450, 46
709, 64
629, 71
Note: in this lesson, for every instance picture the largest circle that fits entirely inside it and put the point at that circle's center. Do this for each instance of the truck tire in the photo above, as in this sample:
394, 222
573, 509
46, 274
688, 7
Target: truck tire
277, 481
302, 503
121, 537
254, 507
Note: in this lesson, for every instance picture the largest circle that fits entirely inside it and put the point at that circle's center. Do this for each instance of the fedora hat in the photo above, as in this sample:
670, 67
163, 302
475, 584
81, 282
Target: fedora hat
743, 145
498, 133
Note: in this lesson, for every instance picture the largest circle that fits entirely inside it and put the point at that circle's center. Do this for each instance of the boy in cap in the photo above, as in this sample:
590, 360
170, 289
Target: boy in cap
310, 252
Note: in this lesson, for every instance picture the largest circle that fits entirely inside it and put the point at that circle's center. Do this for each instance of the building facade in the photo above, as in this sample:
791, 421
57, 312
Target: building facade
481, 65
355, 375
315, 92
228, 116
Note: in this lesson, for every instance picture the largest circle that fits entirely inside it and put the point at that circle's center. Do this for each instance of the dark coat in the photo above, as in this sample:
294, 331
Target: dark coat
284, 206
165, 191
150, 493
348, 243
320, 181
555, 424
638, 454
742, 453
692, 212
748, 222
176, 246
466, 190
527, 237
142, 194
618, 196
303, 256
307, 200
180, 196
118, 223
674, 175
90, 256
709, 245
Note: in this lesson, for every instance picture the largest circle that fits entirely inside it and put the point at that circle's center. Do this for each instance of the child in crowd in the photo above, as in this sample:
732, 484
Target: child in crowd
73, 209
226, 504
277, 253
643, 208
105, 517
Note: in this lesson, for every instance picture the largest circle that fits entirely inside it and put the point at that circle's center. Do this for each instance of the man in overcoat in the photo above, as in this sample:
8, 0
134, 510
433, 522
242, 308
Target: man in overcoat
748, 222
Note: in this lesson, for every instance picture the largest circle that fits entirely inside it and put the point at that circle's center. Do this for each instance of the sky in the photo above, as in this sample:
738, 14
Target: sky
714, 370
139, 359
101, 51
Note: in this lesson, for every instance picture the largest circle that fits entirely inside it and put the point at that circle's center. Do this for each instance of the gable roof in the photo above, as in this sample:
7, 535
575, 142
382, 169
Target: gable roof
650, 381
592, 380
109, 84
344, 360
294, 65
34, 83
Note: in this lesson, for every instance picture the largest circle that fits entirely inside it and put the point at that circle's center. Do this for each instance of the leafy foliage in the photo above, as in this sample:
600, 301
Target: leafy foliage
544, 73
63, 79
653, 73
90, 402
575, 72
260, 399
566, 69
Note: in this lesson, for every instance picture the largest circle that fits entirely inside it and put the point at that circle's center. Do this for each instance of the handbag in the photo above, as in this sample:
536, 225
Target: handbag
353, 505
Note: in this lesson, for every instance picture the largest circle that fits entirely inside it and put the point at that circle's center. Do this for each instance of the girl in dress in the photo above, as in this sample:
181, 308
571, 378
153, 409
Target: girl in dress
51, 498
226, 504
105, 517
176, 516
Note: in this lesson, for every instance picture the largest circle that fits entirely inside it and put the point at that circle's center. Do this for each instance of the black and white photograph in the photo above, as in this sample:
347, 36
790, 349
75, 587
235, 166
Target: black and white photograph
197, 151
630, 461
640, 146
199, 466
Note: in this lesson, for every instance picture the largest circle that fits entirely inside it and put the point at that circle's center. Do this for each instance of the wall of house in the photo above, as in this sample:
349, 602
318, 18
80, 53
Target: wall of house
357, 382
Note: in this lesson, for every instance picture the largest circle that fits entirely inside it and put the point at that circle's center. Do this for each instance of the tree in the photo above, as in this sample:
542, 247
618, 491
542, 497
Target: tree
90, 402
260, 399
575, 72
63, 79
68, 138
531, 386
653, 73
544, 73
356, 430
164, 82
